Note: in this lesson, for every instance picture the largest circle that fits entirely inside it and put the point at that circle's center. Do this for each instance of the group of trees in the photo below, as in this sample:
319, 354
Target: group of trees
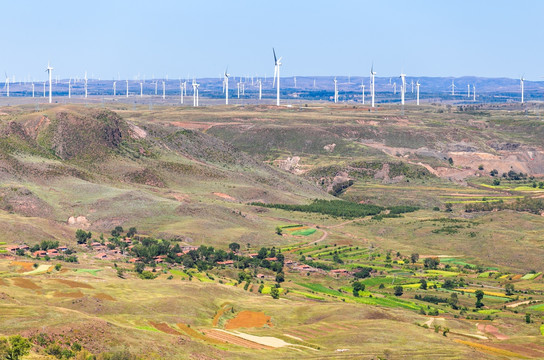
527, 204
340, 208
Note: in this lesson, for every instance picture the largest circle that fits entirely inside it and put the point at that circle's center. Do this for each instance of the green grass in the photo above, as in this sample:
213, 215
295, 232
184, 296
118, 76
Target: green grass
322, 289
539, 307
304, 232
88, 271
148, 328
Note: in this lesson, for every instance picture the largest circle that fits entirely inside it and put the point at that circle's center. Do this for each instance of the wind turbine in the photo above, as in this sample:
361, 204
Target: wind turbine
277, 64
468, 90
238, 86
417, 90
260, 89
70, 88
395, 87
473, 92
114, 88
181, 92
33, 89
521, 80
49, 70
44, 88
226, 85
163, 90
452, 87
402, 88
363, 87
85, 84
195, 93
335, 91
295, 79
156, 84
412, 86
127, 87
7, 85
141, 89
372, 83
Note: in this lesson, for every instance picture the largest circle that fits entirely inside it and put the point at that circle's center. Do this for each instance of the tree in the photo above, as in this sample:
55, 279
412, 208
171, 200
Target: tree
280, 277
454, 301
449, 207
363, 273
139, 267
414, 258
527, 318
131, 232
448, 284
358, 286
431, 263
117, 231
82, 236
337, 259
234, 247
399, 290
479, 296
509, 289
14, 347
275, 293
279, 230
58, 267
423, 285
262, 253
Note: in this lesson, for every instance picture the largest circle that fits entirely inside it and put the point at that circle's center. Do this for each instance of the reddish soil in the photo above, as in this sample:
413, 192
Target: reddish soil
165, 328
25, 284
103, 296
73, 295
224, 196
248, 319
197, 335
25, 266
490, 329
3, 282
74, 284
218, 315
232, 339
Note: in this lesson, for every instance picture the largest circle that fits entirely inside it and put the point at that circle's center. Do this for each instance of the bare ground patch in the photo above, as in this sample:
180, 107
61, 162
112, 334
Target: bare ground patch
74, 284
249, 319
25, 284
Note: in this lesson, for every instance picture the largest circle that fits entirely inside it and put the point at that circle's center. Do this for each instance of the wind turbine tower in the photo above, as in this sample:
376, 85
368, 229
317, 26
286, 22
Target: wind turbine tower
260, 89
7, 85
127, 87
49, 70
114, 89
44, 88
32, 89
417, 92
452, 87
468, 90
163, 90
85, 84
521, 80
402, 88
372, 83
473, 92
335, 91
226, 84
181, 92
277, 64
141, 89
70, 88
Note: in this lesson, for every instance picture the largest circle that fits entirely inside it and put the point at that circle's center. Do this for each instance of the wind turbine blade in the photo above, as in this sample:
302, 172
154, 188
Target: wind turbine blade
275, 59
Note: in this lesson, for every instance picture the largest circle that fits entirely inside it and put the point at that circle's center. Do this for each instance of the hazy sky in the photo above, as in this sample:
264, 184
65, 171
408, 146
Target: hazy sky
200, 38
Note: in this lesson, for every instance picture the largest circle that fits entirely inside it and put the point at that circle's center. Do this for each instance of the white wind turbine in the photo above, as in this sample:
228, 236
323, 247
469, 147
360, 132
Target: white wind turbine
335, 91
32, 89
181, 92
238, 87
452, 87
70, 88
127, 87
44, 88
417, 91
521, 81
363, 87
473, 92
468, 90
163, 90
7, 85
277, 64
260, 89
141, 89
86, 84
402, 88
49, 70
372, 83
226, 86
195, 93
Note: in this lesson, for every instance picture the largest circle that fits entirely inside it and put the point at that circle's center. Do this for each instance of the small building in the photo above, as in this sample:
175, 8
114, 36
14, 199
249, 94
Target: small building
62, 248
272, 259
260, 276
24, 247
226, 262
253, 255
12, 249
39, 253
96, 244
338, 272
134, 260
53, 252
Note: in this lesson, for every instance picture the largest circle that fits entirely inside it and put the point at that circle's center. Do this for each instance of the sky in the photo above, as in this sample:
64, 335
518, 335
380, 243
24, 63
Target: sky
201, 38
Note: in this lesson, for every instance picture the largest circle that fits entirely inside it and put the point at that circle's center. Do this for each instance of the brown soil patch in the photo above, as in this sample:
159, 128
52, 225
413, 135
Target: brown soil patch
248, 319
74, 295
3, 282
490, 329
517, 277
232, 339
197, 335
25, 266
224, 196
74, 284
218, 315
103, 296
165, 328
25, 284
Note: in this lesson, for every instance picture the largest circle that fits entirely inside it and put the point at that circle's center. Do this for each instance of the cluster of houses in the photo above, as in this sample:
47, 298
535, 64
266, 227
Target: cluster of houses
104, 252
14, 249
